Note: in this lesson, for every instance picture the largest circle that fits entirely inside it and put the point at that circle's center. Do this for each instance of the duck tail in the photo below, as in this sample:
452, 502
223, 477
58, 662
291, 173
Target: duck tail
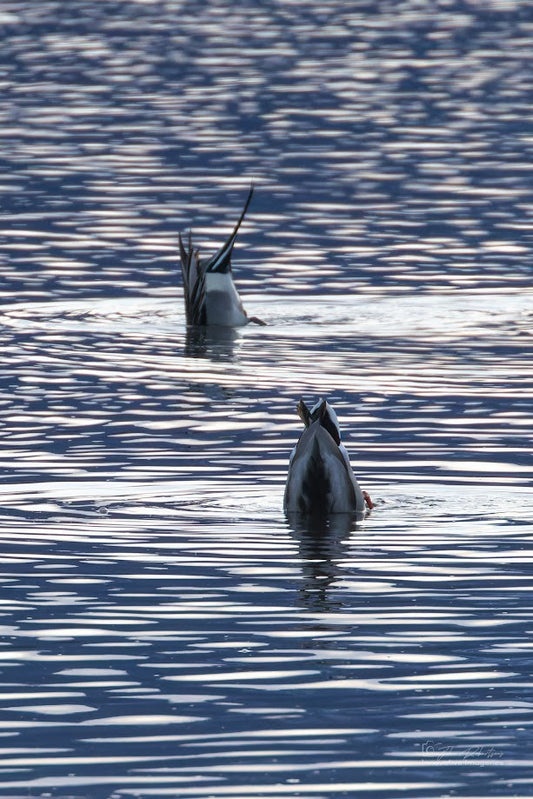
221, 261
193, 284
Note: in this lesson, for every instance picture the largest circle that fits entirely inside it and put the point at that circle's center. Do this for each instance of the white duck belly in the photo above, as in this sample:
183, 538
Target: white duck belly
223, 304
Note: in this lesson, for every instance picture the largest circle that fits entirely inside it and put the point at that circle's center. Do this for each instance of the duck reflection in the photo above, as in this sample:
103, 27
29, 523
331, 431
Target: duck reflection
214, 343
322, 544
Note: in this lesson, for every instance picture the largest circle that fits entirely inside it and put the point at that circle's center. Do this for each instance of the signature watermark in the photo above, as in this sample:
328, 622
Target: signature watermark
465, 752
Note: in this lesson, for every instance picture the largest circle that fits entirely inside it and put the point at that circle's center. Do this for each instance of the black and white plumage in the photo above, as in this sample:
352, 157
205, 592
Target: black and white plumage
210, 294
320, 479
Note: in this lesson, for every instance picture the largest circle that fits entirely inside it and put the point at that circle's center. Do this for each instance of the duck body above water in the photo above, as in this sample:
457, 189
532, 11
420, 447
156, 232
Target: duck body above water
320, 479
210, 294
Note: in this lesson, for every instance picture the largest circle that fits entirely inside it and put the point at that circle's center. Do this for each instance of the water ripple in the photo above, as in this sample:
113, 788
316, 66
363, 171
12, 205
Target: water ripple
161, 622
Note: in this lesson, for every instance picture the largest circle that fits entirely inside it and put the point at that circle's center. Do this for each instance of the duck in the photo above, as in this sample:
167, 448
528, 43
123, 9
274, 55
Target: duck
320, 480
211, 297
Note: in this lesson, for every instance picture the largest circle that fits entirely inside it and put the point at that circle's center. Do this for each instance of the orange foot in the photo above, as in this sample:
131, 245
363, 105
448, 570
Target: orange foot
368, 501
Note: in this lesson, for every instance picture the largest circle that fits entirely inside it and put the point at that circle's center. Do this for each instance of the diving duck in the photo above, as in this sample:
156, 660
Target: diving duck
210, 294
320, 479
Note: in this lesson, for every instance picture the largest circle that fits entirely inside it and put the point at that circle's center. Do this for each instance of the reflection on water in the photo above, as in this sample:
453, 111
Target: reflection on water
166, 631
216, 343
322, 544
387, 143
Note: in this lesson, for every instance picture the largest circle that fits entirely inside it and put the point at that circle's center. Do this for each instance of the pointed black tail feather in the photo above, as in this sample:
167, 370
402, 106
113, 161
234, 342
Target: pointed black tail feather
193, 285
221, 261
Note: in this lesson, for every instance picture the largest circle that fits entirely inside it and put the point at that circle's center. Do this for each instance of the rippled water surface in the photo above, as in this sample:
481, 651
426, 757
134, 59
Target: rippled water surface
165, 631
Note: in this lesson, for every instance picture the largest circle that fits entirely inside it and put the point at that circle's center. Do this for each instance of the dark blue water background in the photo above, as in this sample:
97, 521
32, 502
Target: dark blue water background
165, 631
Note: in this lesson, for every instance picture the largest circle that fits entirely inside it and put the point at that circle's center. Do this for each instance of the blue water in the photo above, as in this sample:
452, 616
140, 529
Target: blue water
165, 631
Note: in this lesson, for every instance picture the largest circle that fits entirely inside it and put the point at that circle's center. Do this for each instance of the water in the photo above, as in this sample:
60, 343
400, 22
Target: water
165, 630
